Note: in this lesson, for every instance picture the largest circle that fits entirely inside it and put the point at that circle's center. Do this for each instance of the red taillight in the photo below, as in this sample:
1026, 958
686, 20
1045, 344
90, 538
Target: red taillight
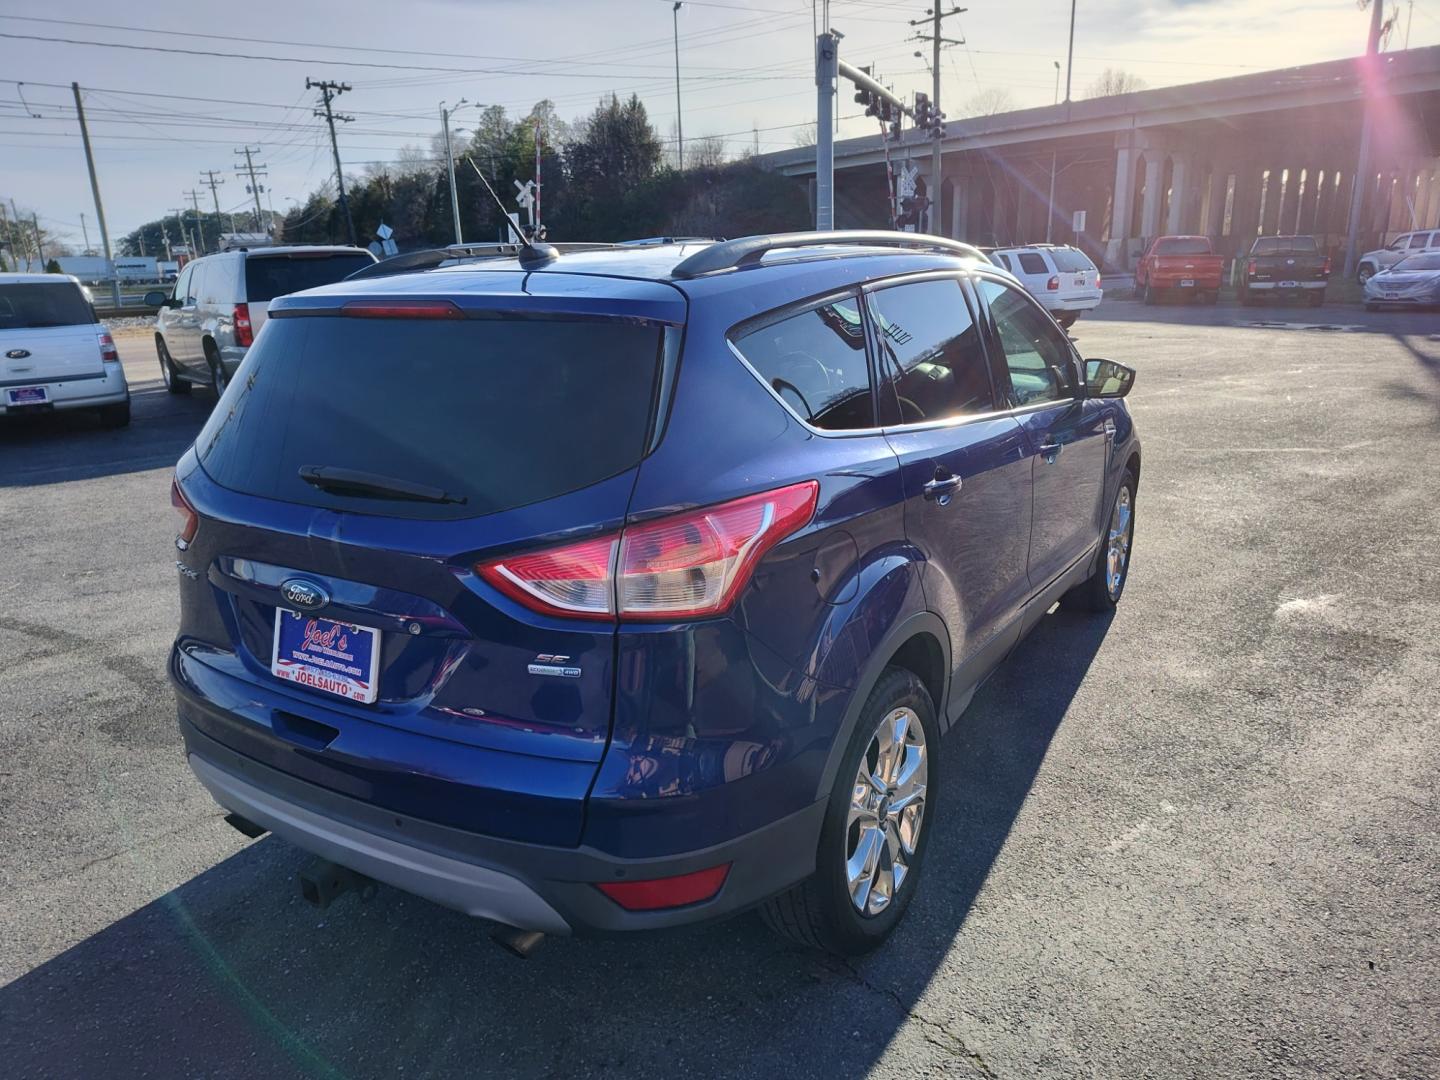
402, 309
189, 520
668, 892
1097, 281
1325, 267
108, 353
1250, 267
576, 580
685, 566
1053, 284
244, 334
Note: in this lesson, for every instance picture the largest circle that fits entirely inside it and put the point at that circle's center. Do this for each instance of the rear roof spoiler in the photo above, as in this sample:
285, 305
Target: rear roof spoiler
749, 250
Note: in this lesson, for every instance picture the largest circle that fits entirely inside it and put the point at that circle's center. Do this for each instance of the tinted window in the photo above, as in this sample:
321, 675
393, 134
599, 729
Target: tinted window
1036, 352
269, 276
932, 353
1071, 261
1006, 260
815, 361
1031, 263
1284, 245
1183, 245
43, 304
182, 283
499, 413
1417, 241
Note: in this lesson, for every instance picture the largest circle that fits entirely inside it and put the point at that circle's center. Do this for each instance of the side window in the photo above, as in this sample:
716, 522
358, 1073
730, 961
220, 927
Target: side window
1031, 263
1417, 241
182, 283
815, 362
1435, 239
1036, 352
1006, 260
931, 351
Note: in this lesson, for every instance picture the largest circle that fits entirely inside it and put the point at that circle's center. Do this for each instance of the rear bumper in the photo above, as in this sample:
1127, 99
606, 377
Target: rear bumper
1275, 286
87, 392
1076, 303
529, 886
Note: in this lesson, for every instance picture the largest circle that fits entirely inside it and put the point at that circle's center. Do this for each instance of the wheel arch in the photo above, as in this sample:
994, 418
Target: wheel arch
921, 644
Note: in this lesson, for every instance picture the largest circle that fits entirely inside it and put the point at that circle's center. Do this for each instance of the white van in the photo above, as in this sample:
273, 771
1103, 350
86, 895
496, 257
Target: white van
219, 303
1061, 277
55, 353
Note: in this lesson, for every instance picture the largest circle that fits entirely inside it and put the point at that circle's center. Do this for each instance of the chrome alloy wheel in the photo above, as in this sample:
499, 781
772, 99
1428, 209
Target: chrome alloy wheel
887, 811
1117, 556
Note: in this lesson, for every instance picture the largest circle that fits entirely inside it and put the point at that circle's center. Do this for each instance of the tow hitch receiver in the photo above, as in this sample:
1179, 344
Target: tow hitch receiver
322, 881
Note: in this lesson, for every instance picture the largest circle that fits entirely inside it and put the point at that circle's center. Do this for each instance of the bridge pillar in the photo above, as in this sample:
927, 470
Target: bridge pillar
1150, 211
1122, 195
1179, 193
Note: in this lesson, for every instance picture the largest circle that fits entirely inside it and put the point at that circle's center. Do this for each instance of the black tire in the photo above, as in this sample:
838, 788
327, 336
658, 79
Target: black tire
219, 378
116, 416
1150, 295
818, 912
174, 382
1094, 593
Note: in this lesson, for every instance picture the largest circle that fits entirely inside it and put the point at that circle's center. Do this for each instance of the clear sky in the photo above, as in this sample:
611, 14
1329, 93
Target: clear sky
745, 64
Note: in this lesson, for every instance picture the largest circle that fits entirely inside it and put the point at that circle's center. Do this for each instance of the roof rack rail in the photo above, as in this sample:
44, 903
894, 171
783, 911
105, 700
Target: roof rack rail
415, 261
748, 250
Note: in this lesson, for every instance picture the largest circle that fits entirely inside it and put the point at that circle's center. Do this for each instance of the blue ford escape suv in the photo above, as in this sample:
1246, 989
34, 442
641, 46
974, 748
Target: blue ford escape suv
610, 588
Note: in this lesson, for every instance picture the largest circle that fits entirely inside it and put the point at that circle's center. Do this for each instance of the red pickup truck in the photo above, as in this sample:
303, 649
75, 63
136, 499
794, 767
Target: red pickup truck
1182, 264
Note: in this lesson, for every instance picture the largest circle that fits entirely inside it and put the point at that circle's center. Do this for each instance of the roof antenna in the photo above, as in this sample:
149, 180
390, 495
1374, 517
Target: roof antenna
531, 253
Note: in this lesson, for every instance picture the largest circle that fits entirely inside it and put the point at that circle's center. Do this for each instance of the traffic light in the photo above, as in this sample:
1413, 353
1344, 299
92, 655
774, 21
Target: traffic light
922, 110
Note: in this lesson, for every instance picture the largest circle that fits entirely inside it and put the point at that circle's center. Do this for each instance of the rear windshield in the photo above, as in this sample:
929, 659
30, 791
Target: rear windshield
497, 413
269, 276
1070, 260
1183, 245
29, 307
1284, 245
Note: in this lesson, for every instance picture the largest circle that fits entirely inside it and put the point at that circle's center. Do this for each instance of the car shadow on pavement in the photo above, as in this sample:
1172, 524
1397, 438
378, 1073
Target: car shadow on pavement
73, 445
231, 974
1426, 351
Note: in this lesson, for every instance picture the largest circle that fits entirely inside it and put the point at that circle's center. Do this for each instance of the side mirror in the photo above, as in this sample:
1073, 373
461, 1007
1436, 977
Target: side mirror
156, 298
1107, 379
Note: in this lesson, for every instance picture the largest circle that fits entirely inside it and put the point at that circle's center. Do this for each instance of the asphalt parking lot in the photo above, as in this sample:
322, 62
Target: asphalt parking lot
1199, 839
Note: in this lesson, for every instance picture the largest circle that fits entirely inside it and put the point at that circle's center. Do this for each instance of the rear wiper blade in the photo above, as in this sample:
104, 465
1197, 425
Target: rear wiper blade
368, 485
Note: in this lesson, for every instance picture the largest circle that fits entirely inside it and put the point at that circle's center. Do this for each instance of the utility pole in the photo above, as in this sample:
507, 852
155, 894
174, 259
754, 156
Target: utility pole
329, 91
936, 39
1070, 55
208, 177
827, 68
184, 234
450, 167
679, 121
165, 233
538, 233
194, 197
1362, 166
95, 190
1069, 64
39, 250
86, 231
251, 168
17, 231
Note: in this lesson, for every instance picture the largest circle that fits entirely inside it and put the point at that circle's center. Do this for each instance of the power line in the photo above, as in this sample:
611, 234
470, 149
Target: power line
329, 91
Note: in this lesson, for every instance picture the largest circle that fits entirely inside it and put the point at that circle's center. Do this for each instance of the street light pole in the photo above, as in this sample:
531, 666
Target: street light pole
1057, 82
679, 120
1362, 165
1070, 56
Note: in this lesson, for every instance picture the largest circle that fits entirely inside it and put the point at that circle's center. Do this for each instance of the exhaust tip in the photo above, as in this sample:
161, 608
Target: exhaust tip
518, 943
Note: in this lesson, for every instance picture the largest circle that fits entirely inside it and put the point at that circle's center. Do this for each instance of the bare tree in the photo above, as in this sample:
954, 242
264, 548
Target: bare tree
988, 102
806, 136
1113, 81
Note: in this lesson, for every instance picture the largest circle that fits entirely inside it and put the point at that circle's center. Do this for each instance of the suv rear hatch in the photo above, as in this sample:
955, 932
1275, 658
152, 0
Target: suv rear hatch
368, 455
1077, 278
268, 276
55, 325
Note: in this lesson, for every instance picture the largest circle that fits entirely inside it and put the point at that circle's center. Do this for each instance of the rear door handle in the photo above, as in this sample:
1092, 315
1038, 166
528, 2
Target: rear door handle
942, 487
1050, 451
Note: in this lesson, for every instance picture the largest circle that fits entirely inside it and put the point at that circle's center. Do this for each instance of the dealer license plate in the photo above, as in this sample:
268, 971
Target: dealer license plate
1289, 284
336, 657
28, 395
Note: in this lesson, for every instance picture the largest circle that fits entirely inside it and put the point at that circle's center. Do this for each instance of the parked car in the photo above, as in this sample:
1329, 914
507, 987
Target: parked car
1181, 265
1286, 266
219, 303
608, 590
55, 354
1061, 277
1412, 282
1404, 245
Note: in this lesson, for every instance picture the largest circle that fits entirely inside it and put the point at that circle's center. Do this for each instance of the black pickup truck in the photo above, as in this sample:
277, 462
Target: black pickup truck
1286, 266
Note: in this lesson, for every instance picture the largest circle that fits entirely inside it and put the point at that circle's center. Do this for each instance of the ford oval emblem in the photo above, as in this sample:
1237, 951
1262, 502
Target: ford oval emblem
17, 354
304, 594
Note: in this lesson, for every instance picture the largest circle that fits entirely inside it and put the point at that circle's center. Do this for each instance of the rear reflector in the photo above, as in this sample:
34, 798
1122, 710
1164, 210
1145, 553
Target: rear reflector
401, 309
671, 892
244, 333
685, 566
108, 353
189, 520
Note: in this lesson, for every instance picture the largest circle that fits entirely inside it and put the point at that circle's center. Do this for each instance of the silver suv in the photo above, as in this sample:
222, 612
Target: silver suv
219, 303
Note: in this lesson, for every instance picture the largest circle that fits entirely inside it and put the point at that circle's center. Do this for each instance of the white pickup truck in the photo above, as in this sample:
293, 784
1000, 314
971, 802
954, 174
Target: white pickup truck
54, 352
